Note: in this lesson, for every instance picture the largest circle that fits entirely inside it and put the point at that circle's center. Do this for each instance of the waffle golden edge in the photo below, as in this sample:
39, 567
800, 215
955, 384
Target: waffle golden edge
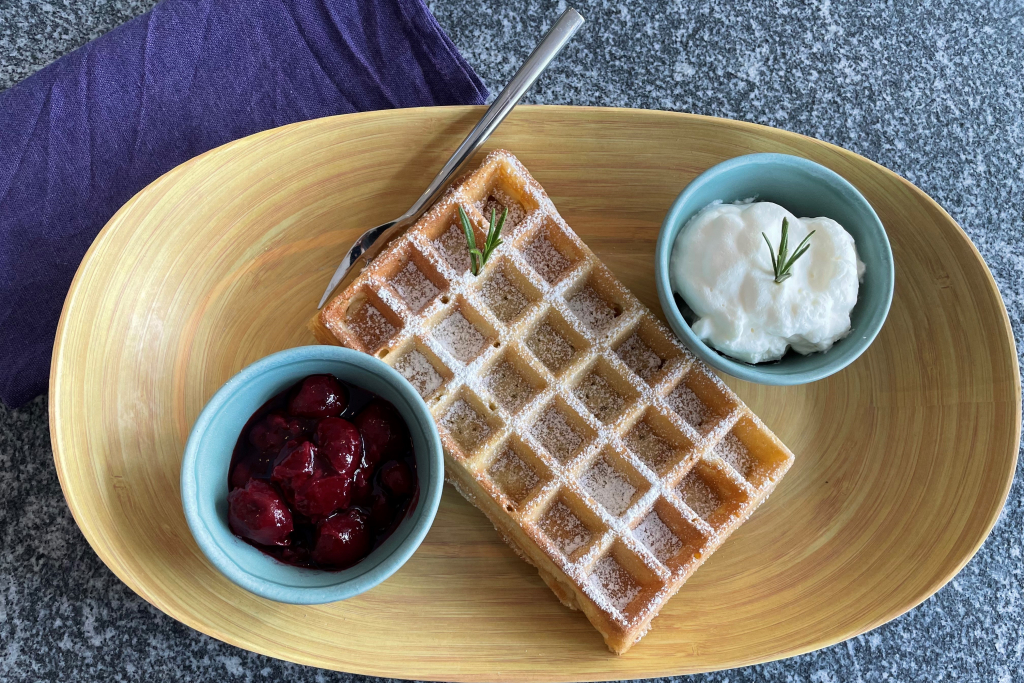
603, 452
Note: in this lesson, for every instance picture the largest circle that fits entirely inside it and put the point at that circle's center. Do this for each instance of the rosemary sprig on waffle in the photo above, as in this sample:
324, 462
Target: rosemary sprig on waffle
477, 259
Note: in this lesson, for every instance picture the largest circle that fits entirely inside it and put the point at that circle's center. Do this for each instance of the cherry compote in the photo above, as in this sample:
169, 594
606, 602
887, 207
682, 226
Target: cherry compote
321, 475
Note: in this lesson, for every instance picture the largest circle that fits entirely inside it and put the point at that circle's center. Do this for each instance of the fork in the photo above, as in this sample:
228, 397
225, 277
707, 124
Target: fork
374, 239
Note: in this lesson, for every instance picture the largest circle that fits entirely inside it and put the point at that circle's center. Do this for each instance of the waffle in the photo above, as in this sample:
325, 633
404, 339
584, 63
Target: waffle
604, 453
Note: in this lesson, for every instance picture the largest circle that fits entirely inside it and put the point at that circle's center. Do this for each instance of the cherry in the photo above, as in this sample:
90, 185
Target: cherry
362, 485
384, 433
341, 444
320, 497
381, 512
240, 475
342, 539
296, 464
270, 435
319, 396
397, 479
259, 513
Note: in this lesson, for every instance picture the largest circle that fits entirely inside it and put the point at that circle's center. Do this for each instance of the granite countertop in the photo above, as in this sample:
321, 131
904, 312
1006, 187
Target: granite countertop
932, 90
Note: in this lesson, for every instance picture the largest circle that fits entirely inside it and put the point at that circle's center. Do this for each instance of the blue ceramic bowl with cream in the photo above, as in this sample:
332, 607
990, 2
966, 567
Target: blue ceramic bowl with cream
204, 475
806, 189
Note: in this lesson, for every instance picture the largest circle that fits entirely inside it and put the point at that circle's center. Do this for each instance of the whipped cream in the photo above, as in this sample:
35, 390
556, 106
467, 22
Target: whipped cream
720, 266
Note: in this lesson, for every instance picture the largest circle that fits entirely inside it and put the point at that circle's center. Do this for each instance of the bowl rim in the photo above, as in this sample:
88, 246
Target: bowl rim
745, 371
227, 564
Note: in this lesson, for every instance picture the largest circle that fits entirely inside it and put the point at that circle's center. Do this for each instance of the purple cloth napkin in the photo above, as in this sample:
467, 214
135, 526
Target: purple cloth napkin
83, 135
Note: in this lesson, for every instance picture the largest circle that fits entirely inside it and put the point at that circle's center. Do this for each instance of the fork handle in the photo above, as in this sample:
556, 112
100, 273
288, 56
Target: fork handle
555, 39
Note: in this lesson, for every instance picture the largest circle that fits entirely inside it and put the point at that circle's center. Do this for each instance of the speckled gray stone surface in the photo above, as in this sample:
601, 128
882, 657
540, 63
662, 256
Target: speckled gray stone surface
934, 91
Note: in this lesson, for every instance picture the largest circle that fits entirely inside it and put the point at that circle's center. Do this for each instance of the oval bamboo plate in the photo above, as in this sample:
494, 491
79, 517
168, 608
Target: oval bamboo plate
903, 460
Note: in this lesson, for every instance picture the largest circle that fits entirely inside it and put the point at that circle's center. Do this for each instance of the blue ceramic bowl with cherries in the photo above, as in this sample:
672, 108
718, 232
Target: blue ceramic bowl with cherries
804, 189
312, 475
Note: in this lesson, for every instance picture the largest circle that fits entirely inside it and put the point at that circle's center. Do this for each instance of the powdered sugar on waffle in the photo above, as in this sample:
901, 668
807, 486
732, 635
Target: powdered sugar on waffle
732, 451
452, 245
544, 258
554, 433
614, 583
414, 287
608, 487
371, 326
639, 357
514, 476
461, 339
658, 538
465, 424
503, 297
600, 397
486, 205
592, 310
565, 528
415, 367
688, 406
700, 497
553, 350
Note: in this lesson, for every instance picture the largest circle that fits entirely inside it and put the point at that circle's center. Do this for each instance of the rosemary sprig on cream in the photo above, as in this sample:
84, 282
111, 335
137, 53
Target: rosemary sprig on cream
478, 258
780, 265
